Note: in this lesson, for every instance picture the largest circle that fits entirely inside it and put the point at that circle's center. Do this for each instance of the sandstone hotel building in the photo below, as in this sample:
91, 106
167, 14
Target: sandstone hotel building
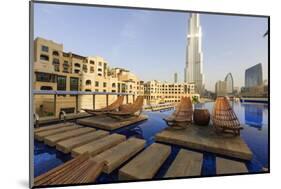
54, 69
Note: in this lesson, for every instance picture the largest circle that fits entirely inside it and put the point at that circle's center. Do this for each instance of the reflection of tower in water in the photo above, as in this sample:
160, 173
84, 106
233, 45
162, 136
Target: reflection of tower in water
254, 115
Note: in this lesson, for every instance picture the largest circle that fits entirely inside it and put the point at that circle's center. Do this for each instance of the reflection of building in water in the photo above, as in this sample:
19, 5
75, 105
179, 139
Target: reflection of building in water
253, 115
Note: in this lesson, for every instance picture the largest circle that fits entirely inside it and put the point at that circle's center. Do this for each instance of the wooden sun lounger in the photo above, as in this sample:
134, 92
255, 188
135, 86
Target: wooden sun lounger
76, 171
112, 107
224, 119
129, 109
182, 116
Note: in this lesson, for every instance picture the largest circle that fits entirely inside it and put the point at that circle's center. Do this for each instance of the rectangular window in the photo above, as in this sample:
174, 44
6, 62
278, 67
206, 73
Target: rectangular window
45, 48
96, 83
45, 77
61, 83
85, 68
104, 84
56, 68
92, 69
74, 84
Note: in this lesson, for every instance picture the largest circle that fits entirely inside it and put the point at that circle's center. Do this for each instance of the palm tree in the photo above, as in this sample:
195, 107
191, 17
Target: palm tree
265, 34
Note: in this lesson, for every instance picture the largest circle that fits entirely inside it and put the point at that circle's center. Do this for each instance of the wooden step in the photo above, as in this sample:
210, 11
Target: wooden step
187, 163
50, 127
41, 135
227, 166
116, 156
99, 145
146, 164
67, 145
53, 139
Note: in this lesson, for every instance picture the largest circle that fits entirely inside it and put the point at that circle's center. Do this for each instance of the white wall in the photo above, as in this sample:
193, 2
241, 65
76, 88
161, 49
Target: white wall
14, 129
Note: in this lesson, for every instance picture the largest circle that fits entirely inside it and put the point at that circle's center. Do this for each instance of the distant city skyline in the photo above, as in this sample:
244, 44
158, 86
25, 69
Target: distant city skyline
152, 44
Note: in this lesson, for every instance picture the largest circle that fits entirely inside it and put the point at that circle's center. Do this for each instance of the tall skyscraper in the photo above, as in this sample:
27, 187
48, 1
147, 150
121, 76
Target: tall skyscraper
253, 76
194, 57
175, 77
229, 83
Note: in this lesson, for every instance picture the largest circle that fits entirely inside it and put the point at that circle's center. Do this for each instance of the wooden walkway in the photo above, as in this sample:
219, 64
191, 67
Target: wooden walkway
227, 166
100, 145
108, 123
205, 139
187, 163
66, 146
116, 156
97, 151
55, 126
76, 171
53, 139
41, 135
146, 164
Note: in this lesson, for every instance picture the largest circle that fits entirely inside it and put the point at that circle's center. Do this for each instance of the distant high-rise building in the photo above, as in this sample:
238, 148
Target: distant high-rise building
175, 77
194, 57
229, 83
253, 76
220, 88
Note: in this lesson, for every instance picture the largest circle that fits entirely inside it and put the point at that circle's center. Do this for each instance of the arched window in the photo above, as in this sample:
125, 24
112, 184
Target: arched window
48, 88
44, 57
77, 65
88, 82
113, 85
56, 53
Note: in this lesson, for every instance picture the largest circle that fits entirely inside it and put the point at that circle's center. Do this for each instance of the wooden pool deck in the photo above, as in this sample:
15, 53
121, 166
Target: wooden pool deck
205, 139
66, 146
100, 145
53, 139
116, 156
107, 152
227, 166
108, 123
41, 135
187, 163
54, 126
146, 164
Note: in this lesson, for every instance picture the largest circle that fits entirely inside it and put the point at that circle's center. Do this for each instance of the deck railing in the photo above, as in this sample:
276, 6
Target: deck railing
79, 93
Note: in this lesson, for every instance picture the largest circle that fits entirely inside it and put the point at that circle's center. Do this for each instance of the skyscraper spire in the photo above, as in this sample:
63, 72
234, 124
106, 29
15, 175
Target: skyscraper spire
194, 57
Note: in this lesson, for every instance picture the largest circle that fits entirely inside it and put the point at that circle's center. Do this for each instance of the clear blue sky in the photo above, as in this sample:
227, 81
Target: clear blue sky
152, 44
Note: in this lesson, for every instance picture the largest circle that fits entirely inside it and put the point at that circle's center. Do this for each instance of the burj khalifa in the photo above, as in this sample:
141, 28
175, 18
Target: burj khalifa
193, 72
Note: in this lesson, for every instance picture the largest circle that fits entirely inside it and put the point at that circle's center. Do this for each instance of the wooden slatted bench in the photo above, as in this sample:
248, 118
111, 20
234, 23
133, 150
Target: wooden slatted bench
78, 170
66, 146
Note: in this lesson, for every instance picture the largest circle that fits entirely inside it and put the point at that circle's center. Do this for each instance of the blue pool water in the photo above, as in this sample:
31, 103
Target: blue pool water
255, 134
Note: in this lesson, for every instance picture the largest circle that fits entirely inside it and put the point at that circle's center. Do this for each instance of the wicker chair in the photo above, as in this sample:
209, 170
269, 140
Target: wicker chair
224, 119
182, 116
129, 110
112, 107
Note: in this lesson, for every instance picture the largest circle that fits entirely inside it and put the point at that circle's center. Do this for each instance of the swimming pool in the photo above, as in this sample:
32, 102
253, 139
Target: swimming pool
255, 133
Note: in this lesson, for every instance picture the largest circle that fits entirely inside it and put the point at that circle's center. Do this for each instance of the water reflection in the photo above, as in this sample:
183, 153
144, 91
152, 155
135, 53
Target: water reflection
254, 115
